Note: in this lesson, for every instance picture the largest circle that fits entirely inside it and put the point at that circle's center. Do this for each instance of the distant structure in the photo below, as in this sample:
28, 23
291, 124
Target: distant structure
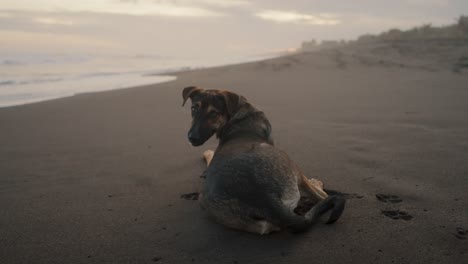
313, 45
309, 45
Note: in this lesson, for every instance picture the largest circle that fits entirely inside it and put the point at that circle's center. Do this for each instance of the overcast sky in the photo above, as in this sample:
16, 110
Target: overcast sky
204, 27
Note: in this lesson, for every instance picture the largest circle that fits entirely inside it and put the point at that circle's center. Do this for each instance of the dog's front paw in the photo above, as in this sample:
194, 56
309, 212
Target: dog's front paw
208, 156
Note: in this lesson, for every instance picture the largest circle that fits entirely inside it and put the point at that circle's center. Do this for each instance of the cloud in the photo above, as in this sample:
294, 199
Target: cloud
43, 41
429, 2
54, 21
161, 9
5, 15
280, 16
221, 3
129, 7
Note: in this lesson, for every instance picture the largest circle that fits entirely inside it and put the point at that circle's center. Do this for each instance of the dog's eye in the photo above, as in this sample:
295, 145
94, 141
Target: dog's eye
213, 114
193, 108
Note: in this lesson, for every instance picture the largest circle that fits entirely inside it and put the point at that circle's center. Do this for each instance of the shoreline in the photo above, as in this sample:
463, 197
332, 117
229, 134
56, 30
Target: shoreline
34, 92
164, 78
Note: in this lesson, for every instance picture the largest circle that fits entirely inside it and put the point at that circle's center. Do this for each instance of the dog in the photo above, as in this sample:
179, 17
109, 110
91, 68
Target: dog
250, 184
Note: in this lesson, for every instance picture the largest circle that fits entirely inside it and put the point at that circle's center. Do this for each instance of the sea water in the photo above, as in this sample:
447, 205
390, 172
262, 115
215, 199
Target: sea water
27, 78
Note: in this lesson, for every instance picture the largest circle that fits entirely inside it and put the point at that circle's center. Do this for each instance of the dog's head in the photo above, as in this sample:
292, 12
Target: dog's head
211, 110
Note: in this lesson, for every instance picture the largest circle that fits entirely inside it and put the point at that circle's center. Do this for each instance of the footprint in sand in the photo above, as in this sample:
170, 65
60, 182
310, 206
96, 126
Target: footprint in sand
388, 198
461, 233
397, 215
190, 196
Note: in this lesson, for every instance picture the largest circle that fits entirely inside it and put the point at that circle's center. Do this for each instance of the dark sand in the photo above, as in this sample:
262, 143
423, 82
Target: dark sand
98, 178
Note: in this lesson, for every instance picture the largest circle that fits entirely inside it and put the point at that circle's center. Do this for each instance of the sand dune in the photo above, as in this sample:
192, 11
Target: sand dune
98, 178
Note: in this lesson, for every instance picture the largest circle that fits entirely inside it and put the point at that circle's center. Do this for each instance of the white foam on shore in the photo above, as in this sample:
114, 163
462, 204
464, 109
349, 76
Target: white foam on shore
11, 95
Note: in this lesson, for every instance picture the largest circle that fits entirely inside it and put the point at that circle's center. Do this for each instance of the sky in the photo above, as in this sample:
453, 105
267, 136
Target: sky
184, 28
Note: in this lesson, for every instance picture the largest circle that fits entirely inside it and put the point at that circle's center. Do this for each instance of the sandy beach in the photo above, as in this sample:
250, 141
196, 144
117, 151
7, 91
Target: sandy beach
98, 178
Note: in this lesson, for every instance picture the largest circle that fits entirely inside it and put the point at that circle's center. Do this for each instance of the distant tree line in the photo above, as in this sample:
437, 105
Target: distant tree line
427, 31
458, 30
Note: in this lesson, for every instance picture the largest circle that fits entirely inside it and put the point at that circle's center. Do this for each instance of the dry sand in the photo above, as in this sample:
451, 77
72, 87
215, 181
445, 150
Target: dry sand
98, 178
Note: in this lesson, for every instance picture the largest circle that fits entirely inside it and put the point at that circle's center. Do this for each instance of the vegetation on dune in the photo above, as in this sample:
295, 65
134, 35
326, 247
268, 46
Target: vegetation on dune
456, 31
427, 31
426, 47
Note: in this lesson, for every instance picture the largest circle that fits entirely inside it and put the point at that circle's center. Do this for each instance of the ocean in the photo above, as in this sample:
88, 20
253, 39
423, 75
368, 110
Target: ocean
35, 77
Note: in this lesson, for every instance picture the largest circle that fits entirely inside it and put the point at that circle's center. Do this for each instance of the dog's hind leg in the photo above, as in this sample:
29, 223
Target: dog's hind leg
238, 216
297, 223
208, 156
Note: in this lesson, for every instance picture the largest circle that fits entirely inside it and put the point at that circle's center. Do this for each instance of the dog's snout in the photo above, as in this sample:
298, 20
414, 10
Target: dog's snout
195, 138
192, 137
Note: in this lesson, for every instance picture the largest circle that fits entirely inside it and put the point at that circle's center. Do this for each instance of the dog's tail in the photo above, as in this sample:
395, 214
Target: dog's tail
296, 223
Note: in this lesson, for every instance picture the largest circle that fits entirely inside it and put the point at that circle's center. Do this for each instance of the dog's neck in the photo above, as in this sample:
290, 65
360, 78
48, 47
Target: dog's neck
247, 122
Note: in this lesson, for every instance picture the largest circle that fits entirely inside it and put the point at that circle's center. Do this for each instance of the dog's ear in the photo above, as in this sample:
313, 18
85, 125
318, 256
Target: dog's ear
189, 92
233, 102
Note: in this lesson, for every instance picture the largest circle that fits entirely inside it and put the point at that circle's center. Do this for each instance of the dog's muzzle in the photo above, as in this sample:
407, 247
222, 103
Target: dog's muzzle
194, 139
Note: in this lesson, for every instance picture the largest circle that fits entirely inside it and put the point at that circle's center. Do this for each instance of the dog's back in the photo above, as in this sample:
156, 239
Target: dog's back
252, 172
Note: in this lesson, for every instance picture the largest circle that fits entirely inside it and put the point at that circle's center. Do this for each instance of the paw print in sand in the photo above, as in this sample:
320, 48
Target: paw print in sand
461, 233
397, 215
190, 196
388, 198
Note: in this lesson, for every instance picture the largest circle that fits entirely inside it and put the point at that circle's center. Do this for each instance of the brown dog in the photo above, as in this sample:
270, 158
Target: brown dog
250, 184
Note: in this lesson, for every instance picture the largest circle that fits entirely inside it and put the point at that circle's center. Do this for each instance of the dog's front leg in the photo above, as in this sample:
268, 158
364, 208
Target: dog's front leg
208, 156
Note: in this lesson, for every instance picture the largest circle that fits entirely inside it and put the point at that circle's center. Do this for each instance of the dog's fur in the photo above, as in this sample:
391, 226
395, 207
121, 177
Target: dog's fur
250, 184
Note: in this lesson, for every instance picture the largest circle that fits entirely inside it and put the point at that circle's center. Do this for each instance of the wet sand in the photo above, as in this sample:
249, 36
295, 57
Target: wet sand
100, 178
